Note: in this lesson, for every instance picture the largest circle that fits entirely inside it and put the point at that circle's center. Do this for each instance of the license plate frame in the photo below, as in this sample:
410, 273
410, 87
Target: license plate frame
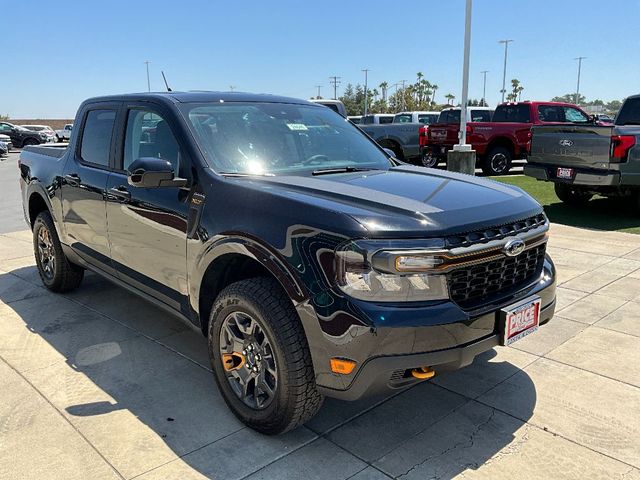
564, 173
514, 328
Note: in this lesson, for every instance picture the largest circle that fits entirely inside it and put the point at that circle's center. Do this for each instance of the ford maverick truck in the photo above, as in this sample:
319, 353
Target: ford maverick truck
314, 263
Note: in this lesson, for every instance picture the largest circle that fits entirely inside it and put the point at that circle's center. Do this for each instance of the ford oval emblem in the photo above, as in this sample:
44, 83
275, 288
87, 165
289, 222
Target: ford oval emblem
565, 142
513, 248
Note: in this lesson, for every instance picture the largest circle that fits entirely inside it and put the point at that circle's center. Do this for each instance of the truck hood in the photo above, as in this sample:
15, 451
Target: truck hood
410, 201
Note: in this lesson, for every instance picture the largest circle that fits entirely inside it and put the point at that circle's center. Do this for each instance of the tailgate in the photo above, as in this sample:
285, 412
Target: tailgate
580, 146
444, 133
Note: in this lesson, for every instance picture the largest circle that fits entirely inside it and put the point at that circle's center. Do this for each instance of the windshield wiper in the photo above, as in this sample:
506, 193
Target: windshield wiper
328, 171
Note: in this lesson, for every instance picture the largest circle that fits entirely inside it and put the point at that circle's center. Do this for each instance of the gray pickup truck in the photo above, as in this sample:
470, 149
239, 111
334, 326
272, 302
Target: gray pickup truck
403, 139
588, 159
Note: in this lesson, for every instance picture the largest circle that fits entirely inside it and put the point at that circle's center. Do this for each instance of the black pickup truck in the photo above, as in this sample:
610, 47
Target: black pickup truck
313, 262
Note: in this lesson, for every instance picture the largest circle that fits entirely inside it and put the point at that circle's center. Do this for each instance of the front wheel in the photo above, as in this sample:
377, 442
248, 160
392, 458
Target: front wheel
428, 160
571, 194
260, 357
56, 272
497, 161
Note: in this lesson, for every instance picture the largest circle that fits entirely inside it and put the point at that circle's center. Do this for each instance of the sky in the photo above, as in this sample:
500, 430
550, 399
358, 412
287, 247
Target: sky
59, 53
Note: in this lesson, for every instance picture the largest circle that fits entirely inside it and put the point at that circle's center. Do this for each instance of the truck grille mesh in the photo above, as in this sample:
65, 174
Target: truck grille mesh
496, 233
476, 284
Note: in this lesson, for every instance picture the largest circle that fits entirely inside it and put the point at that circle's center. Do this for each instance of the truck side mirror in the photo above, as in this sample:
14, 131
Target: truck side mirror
150, 172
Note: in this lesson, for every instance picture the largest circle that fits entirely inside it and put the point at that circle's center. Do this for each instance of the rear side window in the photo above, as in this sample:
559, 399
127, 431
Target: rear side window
550, 113
428, 118
96, 137
512, 113
480, 116
629, 113
402, 118
385, 119
450, 116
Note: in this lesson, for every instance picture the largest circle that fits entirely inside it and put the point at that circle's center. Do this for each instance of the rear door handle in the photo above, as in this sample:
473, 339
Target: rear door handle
73, 179
120, 192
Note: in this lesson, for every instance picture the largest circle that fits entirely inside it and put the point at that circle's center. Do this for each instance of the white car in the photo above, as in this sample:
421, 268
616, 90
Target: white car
46, 129
65, 133
377, 119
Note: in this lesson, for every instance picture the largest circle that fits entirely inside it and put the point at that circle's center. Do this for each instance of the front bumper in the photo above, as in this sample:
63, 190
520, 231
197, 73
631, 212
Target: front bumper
442, 336
587, 177
387, 373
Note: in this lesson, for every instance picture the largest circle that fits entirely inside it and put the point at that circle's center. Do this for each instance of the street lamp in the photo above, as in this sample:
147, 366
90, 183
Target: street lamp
148, 81
504, 71
578, 86
465, 81
366, 72
484, 87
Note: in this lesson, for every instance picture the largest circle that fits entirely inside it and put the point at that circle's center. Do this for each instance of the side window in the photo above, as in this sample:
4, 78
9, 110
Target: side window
149, 135
480, 116
386, 119
550, 113
574, 115
96, 137
4, 127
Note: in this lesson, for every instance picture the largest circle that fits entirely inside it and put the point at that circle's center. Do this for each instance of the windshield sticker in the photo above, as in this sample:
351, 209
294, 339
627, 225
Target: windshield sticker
297, 126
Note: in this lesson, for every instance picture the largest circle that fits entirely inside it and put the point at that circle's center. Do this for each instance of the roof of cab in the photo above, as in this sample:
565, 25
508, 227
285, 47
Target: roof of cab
201, 97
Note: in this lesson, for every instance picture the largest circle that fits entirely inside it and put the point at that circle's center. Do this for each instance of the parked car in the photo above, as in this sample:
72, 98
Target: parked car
355, 119
426, 118
314, 264
506, 136
377, 119
335, 105
42, 128
604, 118
64, 133
584, 159
401, 138
21, 137
7, 145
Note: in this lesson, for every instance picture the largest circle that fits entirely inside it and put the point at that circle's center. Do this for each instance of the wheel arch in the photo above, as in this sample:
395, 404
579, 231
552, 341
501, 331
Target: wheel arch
238, 259
501, 141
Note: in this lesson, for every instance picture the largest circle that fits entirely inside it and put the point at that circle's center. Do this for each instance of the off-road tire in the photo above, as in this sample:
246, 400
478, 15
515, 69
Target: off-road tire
296, 398
571, 195
66, 275
497, 161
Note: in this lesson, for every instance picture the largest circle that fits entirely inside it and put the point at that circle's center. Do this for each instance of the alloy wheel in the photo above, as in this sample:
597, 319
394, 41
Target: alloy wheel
46, 253
248, 360
499, 163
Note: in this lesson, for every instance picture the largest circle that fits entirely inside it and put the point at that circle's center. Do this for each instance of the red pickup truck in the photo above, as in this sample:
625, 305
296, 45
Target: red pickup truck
504, 138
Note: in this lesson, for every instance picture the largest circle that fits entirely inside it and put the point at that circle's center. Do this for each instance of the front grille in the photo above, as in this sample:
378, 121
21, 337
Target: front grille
495, 233
470, 286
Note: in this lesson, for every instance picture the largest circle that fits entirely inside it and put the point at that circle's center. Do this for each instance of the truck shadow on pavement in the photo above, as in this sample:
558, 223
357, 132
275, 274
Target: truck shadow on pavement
600, 214
135, 382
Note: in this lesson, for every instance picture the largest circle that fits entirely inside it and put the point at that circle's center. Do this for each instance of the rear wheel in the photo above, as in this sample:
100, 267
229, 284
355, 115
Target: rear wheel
56, 272
497, 161
261, 358
571, 194
428, 160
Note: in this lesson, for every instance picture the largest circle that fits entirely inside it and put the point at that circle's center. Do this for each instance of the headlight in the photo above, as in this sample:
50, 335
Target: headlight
382, 271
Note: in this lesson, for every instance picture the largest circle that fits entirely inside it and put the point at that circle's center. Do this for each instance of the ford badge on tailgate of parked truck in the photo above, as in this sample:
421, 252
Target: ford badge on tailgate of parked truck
314, 263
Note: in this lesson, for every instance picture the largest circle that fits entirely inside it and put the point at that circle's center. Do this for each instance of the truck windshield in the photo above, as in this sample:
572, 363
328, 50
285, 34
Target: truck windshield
279, 139
629, 113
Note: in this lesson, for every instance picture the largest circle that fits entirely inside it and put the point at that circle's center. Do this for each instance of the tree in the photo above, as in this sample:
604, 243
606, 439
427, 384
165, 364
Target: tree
450, 98
4, 117
434, 87
613, 106
516, 90
571, 98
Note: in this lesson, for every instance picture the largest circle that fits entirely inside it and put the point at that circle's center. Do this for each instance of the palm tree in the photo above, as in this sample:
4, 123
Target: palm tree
384, 86
434, 87
450, 97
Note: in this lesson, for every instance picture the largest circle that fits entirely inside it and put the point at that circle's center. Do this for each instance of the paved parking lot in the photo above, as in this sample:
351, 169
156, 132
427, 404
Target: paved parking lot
100, 384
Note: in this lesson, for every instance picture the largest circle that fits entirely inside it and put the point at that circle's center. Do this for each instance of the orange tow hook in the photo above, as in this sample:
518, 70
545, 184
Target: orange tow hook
232, 361
423, 373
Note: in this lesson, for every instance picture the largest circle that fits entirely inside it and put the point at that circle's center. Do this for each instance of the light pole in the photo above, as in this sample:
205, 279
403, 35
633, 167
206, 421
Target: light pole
403, 82
335, 81
504, 71
366, 74
465, 81
148, 81
579, 70
484, 87
318, 87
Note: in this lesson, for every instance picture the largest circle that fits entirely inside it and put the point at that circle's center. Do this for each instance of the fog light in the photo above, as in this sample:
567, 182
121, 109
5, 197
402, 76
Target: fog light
342, 366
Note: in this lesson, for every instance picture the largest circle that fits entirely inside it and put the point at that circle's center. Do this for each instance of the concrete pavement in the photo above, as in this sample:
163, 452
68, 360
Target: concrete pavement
100, 384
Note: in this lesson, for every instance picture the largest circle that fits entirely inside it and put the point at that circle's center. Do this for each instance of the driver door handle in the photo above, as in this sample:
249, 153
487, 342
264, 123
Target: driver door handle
72, 179
120, 192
